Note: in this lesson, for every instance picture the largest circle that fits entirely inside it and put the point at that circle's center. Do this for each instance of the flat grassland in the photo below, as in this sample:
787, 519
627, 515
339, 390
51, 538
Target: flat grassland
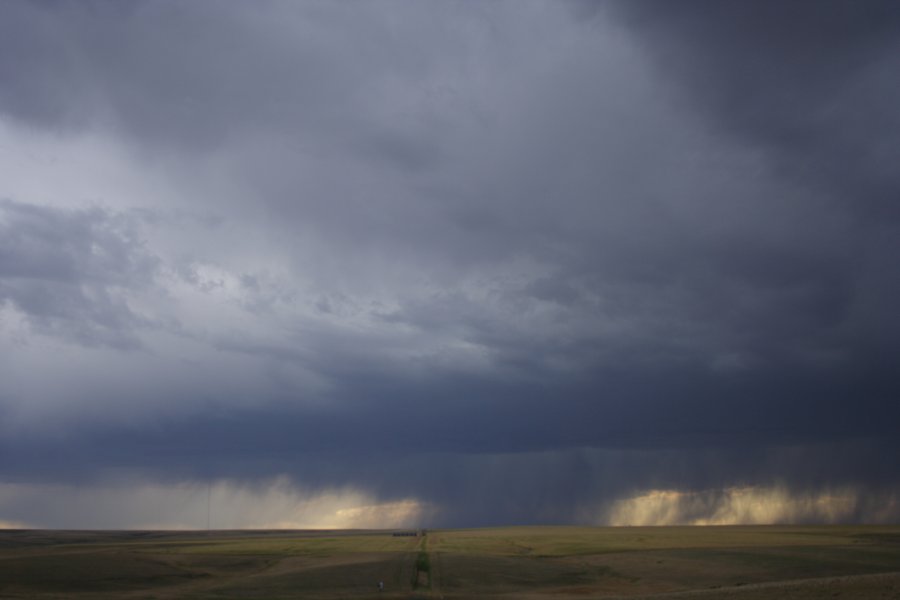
741, 563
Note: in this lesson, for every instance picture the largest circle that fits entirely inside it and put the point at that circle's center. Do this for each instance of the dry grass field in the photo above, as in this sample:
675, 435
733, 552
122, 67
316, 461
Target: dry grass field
743, 563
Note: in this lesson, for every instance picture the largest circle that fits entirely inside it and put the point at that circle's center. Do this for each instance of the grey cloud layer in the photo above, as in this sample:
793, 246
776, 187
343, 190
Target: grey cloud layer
553, 246
69, 271
811, 82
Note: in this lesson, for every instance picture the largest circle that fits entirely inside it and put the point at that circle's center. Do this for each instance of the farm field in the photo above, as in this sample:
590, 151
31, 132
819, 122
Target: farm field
743, 563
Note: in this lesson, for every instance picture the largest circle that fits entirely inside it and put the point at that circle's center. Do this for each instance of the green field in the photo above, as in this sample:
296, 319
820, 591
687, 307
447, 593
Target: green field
745, 563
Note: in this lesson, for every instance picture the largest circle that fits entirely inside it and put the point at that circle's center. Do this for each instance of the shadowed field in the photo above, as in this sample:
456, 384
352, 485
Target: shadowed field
519, 562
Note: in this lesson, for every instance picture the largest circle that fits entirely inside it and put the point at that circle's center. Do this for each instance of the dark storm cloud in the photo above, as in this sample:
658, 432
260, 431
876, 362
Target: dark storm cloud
486, 256
812, 85
203, 75
146, 68
813, 82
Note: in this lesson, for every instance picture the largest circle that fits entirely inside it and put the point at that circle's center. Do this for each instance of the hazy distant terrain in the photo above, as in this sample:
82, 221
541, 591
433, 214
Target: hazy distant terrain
533, 562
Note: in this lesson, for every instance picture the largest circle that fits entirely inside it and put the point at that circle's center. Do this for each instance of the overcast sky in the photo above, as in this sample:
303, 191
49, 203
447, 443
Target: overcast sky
452, 264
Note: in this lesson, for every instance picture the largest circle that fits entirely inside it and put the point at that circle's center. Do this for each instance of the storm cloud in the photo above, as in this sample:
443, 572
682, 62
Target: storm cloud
455, 264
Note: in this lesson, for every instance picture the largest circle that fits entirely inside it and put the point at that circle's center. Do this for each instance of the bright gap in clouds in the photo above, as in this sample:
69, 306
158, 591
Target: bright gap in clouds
276, 504
280, 504
751, 505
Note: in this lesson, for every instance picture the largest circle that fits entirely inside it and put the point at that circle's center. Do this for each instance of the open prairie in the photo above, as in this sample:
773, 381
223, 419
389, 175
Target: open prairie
743, 563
